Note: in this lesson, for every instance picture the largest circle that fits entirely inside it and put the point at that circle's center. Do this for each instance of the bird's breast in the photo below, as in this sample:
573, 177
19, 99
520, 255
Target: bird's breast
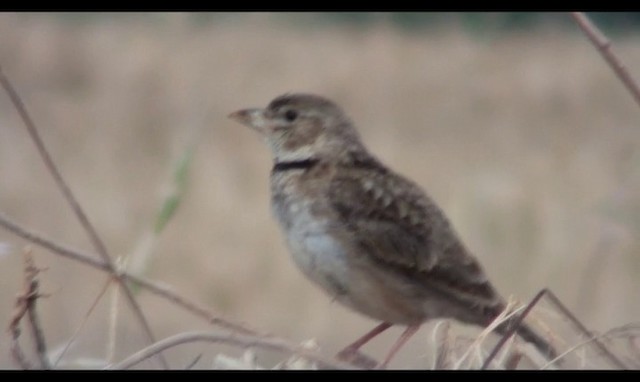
327, 255
318, 253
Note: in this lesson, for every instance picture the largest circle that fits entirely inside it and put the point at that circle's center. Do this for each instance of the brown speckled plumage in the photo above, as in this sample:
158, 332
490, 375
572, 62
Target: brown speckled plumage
368, 236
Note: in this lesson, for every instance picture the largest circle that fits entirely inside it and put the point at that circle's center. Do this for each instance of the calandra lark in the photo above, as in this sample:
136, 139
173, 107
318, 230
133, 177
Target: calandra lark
368, 236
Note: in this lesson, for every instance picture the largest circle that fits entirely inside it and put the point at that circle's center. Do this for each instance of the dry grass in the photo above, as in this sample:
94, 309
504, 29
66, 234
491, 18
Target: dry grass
527, 141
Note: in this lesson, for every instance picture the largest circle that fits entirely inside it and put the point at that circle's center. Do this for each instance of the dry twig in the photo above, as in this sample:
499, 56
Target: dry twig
603, 44
567, 313
622, 331
514, 327
155, 288
442, 346
503, 316
275, 344
75, 334
75, 206
26, 304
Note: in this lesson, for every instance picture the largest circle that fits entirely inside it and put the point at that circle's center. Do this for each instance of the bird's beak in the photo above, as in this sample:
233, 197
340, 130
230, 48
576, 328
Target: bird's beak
254, 118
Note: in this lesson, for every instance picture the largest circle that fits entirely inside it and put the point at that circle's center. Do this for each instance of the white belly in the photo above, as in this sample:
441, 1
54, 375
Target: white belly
347, 278
320, 257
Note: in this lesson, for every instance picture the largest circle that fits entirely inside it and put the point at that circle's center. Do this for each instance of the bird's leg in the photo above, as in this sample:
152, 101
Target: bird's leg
404, 337
348, 354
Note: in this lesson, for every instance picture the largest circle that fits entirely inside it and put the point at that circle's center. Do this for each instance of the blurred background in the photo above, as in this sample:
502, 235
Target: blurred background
513, 123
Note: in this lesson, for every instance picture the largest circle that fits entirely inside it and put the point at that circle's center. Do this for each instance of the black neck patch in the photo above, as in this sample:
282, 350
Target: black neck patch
294, 165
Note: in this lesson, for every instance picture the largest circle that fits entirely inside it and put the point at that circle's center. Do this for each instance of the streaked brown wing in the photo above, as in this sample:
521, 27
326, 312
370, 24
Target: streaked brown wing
397, 224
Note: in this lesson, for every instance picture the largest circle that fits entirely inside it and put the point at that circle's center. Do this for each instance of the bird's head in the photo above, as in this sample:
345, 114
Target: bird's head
298, 127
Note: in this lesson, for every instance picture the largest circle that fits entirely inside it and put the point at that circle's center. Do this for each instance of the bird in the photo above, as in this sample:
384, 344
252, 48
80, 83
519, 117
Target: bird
368, 236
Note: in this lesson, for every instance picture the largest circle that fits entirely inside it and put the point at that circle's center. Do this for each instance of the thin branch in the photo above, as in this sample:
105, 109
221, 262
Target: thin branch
502, 317
16, 351
157, 289
513, 360
608, 334
274, 344
604, 46
510, 350
84, 321
556, 301
442, 346
14, 329
190, 305
75, 205
567, 313
193, 363
113, 323
26, 305
512, 329
32, 285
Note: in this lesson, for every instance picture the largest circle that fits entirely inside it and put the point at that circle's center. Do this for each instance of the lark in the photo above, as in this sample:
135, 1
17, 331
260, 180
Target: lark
368, 236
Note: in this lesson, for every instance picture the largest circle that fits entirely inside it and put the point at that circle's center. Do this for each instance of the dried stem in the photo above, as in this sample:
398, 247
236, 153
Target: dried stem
75, 334
75, 206
26, 305
506, 314
513, 328
16, 351
604, 46
567, 313
608, 334
513, 360
113, 325
256, 339
232, 339
32, 286
442, 346
14, 329
157, 289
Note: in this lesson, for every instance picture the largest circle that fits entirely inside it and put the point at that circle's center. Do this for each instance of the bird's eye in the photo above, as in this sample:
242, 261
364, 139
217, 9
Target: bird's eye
291, 115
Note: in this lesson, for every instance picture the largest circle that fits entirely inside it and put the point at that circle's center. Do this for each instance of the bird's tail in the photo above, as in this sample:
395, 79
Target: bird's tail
527, 334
